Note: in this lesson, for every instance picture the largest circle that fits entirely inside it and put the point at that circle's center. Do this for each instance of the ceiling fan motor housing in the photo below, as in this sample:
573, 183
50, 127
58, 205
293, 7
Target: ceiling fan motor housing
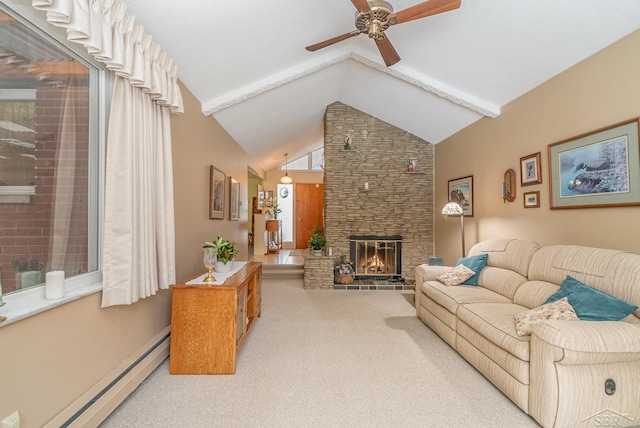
374, 23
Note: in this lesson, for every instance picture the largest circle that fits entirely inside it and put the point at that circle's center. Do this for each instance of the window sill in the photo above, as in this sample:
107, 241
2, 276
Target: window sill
30, 302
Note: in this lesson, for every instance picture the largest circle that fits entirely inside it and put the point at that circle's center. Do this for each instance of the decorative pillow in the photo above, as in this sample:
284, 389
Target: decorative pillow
591, 304
456, 276
558, 310
476, 264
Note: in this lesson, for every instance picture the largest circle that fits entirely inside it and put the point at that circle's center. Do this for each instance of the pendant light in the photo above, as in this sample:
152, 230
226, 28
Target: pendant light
285, 179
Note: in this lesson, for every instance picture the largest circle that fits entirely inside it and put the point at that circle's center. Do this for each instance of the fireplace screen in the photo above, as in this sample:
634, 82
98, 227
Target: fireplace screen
377, 256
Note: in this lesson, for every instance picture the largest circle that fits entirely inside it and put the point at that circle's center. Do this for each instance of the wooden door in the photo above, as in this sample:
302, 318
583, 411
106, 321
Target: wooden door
309, 211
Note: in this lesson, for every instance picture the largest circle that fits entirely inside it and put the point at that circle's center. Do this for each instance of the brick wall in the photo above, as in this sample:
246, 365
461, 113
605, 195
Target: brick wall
398, 202
26, 228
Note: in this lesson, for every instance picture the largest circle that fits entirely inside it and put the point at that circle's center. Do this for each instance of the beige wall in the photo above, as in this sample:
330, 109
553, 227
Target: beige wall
51, 359
199, 142
601, 91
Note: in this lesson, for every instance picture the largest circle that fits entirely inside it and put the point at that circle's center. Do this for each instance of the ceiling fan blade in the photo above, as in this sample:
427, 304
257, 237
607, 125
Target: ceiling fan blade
361, 5
387, 51
333, 40
422, 10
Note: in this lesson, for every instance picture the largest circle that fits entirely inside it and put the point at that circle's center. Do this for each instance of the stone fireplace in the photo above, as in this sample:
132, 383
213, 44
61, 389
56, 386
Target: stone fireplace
381, 186
376, 257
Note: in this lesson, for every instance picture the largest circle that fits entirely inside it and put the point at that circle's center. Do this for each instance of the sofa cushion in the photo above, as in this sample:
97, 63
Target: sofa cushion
534, 293
557, 310
553, 263
476, 264
502, 281
511, 254
591, 304
456, 276
452, 297
495, 321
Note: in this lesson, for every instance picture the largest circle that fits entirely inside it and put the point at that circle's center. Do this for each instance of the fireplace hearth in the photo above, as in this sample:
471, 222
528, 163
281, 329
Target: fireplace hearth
376, 257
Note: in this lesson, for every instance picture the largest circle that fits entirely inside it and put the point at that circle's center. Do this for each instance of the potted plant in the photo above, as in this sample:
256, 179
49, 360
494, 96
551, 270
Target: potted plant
317, 241
273, 211
226, 252
28, 272
343, 271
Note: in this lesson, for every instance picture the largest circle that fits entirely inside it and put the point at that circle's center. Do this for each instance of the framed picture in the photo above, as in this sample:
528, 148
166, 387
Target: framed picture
260, 196
268, 198
461, 191
218, 180
530, 170
532, 199
234, 199
597, 169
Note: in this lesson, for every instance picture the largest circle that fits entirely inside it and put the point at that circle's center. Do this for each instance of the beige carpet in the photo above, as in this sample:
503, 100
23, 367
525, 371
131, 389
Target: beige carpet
328, 358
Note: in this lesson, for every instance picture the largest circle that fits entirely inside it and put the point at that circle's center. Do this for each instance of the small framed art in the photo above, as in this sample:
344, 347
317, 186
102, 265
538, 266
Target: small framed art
461, 191
532, 199
217, 182
234, 199
530, 170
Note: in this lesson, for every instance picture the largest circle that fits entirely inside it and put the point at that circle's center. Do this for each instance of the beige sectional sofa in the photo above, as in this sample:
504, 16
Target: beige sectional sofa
567, 373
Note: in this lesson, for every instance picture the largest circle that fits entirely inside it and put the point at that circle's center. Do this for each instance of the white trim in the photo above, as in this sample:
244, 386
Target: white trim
22, 304
17, 94
18, 190
321, 62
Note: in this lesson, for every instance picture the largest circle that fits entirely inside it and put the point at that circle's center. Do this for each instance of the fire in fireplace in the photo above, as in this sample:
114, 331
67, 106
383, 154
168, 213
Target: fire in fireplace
376, 257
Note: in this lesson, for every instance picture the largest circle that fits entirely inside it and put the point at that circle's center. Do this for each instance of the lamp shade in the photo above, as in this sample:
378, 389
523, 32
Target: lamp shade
452, 208
285, 179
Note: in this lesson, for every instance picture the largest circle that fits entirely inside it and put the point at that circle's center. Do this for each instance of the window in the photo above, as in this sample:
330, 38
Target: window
48, 157
313, 161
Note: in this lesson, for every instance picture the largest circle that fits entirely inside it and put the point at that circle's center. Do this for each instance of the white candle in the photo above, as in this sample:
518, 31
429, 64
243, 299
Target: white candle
366, 185
54, 287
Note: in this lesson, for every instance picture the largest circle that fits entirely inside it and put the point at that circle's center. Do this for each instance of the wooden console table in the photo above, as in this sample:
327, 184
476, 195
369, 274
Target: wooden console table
210, 323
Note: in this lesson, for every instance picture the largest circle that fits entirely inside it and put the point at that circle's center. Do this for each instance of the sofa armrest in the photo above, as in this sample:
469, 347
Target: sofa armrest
429, 273
570, 364
591, 342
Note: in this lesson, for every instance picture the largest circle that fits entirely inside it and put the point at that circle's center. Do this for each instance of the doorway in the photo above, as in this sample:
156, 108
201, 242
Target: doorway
253, 182
309, 209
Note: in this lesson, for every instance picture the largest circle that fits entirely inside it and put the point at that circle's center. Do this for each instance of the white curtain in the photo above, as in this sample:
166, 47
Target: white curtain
139, 241
139, 255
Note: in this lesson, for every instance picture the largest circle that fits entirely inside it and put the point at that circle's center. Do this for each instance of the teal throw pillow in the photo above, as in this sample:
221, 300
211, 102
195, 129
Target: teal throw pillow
591, 304
476, 264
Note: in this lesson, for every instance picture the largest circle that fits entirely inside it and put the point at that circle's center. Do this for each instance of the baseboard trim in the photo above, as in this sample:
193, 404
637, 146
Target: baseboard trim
93, 407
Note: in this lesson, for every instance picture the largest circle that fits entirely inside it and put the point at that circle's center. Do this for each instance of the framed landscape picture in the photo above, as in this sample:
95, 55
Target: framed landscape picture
532, 199
597, 169
217, 181
461, 191
234, 199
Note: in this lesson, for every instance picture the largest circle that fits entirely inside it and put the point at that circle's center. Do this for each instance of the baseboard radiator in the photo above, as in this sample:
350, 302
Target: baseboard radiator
93, 407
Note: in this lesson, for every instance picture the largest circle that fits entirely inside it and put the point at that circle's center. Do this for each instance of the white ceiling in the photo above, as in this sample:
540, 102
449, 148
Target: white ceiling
245, 62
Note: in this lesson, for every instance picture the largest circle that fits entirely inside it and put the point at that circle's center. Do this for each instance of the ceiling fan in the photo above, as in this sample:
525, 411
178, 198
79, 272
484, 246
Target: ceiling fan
375, 16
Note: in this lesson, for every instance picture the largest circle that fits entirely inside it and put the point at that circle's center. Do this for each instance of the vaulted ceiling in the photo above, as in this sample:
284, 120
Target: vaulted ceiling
245, 61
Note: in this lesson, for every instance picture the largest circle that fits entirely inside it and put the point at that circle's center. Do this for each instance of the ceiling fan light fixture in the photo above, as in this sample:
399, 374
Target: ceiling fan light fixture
286, 179
373, 17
